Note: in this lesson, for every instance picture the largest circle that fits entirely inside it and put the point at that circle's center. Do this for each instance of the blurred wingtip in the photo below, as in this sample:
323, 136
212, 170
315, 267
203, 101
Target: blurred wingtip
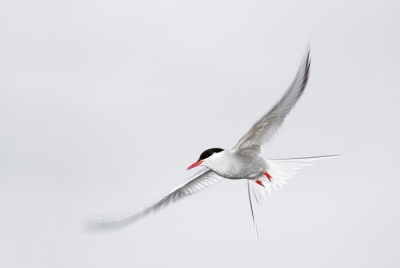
104, 224
98, 224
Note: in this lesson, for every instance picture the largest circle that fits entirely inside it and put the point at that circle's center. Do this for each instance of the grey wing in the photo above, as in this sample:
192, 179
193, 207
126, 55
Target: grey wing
198, 182
267, 127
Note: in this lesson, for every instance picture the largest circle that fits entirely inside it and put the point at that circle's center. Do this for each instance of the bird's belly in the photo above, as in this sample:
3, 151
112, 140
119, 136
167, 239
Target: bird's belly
243, 168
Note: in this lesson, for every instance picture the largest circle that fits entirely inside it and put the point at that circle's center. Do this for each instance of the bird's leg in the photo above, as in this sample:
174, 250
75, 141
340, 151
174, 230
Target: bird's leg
259, 183
268, 176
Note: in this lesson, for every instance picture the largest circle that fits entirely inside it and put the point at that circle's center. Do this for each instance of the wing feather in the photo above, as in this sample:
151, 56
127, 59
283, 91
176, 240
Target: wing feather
198, 182
265, 129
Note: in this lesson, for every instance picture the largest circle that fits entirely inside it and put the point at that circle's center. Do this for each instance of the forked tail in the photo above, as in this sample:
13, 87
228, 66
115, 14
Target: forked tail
280, 170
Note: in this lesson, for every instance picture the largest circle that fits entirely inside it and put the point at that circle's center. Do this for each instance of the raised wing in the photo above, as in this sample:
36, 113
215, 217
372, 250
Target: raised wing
266, 128
200, 181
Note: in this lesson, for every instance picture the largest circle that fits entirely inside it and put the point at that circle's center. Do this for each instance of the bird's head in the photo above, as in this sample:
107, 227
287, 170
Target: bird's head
207, 155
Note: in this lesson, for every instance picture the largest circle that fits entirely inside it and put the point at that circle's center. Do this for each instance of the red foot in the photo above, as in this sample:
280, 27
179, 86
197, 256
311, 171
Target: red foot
268, 176
260, 183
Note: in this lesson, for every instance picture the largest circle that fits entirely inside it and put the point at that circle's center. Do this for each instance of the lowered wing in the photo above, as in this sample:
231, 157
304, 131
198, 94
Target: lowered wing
200, 181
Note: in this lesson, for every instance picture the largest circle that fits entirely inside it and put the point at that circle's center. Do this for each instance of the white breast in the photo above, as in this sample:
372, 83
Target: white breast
236, 166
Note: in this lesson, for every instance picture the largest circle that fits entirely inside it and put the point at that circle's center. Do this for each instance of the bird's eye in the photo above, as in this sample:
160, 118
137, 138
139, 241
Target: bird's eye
206, 155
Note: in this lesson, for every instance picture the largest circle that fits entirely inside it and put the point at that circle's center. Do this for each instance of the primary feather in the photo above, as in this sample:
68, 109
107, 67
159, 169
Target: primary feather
264, 130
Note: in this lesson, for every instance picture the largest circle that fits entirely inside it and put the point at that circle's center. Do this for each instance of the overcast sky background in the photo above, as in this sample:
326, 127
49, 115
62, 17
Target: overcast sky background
104, 104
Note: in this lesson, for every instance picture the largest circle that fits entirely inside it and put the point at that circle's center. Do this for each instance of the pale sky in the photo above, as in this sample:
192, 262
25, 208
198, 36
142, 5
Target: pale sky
104, 104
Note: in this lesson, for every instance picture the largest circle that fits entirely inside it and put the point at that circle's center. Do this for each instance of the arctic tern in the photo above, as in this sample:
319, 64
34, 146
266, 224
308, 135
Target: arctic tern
244, 161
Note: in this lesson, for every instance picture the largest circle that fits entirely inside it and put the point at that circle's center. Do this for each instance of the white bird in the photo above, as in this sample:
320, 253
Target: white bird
244, 161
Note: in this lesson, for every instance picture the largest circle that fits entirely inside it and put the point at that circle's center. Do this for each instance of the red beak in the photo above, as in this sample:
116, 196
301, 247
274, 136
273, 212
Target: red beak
195, 164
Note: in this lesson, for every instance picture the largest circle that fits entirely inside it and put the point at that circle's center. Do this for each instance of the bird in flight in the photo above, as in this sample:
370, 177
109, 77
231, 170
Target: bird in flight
243, 161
